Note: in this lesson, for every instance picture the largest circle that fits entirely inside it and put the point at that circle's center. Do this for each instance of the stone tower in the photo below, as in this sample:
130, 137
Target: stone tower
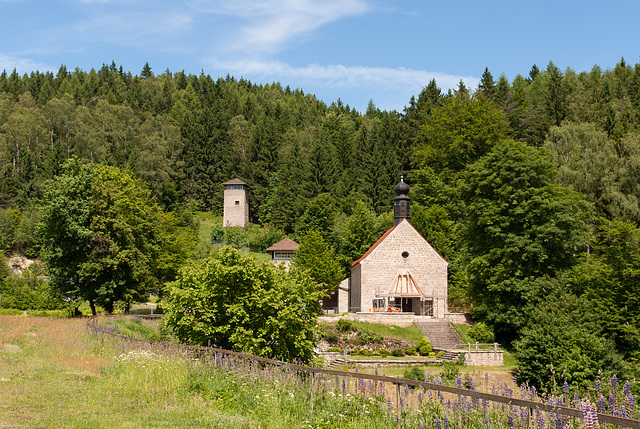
401, 203
236, 203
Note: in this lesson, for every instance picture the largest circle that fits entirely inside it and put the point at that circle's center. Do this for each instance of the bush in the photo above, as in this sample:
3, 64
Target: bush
410, 351
397, 352
330, 336
481, 332
414, 373
439, 355
424, 347
383, 352
369, 338
450, 371
345, 325
366, 352
29, 293
334, 350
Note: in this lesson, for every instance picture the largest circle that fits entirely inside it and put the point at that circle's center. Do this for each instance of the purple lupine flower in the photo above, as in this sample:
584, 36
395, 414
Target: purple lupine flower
420, 398
614, 382
612, 403
510, 421
627, 388
446, 422
602, 404
470, 382
598, 386
459, 382
540, 419
437, 422
590, 416
565, 387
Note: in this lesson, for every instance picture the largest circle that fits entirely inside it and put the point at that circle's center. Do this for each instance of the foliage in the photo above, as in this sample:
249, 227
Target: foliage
397, 352
316, 258
608, 280
563, 342
30, 292
253, 237
235, 302
424, 347
460, 132
520, 226
414, 373
103, 236
346, 325
481, 333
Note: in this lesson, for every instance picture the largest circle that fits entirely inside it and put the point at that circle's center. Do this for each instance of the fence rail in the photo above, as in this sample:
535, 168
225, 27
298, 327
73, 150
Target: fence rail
572, 412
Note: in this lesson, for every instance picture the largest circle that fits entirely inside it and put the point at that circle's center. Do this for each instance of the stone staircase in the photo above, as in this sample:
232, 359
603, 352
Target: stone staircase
441, 335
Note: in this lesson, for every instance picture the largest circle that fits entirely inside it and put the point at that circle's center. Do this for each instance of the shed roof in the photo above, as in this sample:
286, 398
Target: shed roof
235, 181
285, 245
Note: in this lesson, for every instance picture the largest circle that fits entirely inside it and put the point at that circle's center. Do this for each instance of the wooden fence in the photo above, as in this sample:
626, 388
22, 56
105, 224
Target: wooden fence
94, 327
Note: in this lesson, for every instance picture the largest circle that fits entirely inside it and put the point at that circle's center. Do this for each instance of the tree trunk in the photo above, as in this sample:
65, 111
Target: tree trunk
93, 307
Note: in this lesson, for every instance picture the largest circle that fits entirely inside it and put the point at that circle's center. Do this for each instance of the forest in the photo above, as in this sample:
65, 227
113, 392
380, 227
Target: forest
530, 188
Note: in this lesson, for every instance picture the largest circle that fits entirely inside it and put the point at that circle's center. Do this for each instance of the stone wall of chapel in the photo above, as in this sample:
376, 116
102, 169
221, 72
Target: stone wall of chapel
380, 268
356, 289
235, 214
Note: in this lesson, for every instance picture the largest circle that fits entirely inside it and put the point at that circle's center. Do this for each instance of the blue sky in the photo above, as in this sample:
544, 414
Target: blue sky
355, 50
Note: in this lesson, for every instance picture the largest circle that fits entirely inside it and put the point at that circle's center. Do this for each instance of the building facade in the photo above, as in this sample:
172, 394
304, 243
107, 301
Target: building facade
401, 272
236, 204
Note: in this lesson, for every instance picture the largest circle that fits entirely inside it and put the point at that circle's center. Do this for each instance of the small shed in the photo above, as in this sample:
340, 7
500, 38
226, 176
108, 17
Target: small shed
283, 252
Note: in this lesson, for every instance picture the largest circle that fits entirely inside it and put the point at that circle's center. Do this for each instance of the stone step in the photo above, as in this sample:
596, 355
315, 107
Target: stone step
441, 335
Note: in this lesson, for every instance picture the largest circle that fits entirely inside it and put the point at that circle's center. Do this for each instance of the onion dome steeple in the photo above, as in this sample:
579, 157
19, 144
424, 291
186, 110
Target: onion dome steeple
401, 203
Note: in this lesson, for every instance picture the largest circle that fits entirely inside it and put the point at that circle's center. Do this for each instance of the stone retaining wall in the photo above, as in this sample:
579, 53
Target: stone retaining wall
483, 357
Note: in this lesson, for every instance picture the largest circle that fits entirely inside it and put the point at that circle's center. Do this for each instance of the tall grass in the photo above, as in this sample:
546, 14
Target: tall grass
54, 374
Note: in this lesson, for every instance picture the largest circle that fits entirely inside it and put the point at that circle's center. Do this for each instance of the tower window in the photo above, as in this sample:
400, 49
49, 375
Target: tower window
405, 254
237, 203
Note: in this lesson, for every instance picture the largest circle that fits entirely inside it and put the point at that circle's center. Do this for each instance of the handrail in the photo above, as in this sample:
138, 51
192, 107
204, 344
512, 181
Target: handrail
573, 412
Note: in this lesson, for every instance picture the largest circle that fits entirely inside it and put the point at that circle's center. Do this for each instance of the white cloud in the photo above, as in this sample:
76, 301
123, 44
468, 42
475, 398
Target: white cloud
268, 26
22, 65
390, 88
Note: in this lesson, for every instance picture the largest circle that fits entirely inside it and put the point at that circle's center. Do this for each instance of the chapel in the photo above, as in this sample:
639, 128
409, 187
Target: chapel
400, 273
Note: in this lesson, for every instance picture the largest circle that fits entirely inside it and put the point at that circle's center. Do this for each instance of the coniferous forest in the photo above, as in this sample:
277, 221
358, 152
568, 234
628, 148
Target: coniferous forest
530, 188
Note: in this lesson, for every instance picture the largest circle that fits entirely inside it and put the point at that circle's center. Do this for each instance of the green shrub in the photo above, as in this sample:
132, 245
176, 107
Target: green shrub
424, 347
366, 352
432, 354
330, 336
414, 373
333, 350
410, 351
383, 352
345, 325
450, 371
440, 354
481, 332
397, 352
369, 337
31, 292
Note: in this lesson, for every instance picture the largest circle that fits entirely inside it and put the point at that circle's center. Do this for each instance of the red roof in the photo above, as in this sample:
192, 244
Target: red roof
235, 181
285, 245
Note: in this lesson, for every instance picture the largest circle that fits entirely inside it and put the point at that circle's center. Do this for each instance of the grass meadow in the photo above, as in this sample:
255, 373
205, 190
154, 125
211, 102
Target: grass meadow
55, 374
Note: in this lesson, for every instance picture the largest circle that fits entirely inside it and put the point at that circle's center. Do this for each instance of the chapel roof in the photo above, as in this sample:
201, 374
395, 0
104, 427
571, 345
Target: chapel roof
384, 236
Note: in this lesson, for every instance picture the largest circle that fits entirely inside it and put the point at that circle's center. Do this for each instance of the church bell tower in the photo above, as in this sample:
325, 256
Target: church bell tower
401, 203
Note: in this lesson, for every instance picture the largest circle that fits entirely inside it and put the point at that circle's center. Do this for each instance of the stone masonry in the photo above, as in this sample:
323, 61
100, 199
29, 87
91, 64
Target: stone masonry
401, 250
